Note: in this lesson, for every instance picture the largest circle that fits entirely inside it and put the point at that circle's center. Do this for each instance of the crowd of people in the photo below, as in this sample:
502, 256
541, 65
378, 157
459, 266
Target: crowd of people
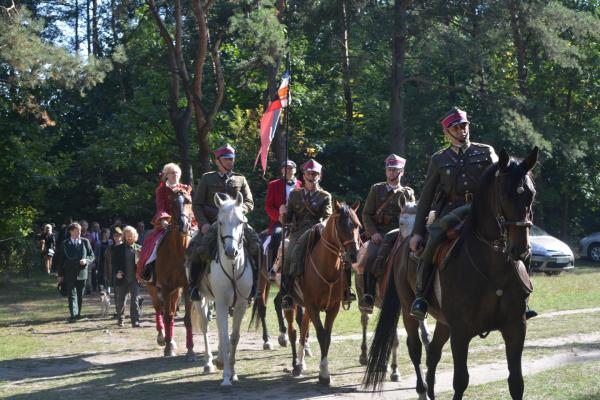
88, 259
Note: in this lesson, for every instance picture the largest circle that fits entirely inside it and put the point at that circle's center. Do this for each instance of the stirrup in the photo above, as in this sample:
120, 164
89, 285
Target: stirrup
530, 313
418, 309
366, 303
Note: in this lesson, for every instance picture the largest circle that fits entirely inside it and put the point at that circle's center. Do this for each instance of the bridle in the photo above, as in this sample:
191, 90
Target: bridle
232, 278
501, 244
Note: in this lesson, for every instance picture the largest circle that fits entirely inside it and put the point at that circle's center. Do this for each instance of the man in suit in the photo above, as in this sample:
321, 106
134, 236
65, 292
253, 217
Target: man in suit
77, 255
124, 260
278, 191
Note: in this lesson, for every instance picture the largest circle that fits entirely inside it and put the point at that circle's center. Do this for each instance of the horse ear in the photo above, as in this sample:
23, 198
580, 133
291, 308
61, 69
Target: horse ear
336, 204
239, 199
356, 205
531, 159
504, 160
218, 200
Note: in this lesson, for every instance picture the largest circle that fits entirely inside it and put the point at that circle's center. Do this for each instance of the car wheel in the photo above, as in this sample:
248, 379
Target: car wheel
594, 252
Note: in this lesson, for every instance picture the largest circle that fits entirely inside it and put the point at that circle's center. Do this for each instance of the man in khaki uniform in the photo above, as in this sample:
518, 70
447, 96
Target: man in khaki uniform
222, 181
380, 218
305, 208
452, 179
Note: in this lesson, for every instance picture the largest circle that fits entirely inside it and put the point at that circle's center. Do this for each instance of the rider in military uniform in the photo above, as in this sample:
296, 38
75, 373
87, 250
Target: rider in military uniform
306, 207
452, 179
223, 181
380, 218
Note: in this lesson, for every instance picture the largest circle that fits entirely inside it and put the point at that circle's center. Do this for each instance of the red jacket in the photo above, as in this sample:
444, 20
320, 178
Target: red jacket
275, 198
164, 199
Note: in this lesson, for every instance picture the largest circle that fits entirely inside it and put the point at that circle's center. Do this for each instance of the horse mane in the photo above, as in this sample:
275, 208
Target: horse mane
344, 211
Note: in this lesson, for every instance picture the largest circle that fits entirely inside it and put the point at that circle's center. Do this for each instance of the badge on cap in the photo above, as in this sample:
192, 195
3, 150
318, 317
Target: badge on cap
394, 161
312, 165
225, 151
454, 117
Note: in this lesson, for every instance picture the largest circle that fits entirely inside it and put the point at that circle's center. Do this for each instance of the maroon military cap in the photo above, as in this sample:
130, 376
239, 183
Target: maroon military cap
454, 117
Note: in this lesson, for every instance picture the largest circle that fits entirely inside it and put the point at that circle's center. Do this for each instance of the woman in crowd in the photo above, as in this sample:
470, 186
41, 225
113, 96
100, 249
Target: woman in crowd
48, 246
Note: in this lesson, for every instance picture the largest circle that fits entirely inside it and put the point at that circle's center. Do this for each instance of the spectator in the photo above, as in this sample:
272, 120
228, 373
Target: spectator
73, 270
61, 236
103, 245
96, 232
108, 269
124, 259
141, 228
92, 281
47, 247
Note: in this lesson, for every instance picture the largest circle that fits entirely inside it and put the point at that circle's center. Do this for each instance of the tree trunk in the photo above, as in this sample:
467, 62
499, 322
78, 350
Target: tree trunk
516, 25
346, 71
88, 31
95, 34
398, 134
76, 27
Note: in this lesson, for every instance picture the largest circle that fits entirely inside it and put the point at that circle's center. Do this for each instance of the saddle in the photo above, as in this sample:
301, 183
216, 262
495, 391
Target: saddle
523, 277
447, 247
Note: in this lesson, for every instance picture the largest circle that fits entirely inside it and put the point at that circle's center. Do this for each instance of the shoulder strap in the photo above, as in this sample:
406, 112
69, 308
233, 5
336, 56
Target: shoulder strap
306, 206
385, 203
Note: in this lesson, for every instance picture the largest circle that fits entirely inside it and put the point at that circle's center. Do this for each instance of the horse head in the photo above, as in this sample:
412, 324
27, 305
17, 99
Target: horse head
182, 215
231, 221
407, 217
507, 192
347, 226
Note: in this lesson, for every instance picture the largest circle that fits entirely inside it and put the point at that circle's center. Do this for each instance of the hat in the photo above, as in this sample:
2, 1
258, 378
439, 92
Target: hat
288, 163
394, 161
454, 117
117, 230
312, 165
225, 151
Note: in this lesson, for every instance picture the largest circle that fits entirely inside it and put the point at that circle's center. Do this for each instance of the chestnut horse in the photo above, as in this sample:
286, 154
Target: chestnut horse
171, 278
483, 286
321, 287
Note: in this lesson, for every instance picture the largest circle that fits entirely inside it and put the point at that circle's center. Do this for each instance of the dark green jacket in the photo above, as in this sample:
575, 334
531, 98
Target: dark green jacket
204, 205
69, 267
305, 209
450, 178
381, 210
119, 262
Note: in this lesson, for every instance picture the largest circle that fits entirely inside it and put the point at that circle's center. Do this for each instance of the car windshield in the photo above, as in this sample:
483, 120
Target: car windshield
537, 231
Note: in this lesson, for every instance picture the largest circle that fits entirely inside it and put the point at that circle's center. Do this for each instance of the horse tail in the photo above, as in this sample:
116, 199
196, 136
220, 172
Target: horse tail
383, 341
253, 317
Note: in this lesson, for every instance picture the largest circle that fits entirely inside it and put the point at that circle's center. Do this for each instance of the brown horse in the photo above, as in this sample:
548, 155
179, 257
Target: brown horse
171, 278
322, 284
483, 286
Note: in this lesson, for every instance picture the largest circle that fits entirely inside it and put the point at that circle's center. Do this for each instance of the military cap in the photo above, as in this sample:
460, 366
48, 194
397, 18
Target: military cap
288, 163
225, 151
312, 165
454, 117
394, 161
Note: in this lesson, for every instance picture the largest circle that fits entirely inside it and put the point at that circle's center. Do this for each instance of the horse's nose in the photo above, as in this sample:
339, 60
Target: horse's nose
230, 252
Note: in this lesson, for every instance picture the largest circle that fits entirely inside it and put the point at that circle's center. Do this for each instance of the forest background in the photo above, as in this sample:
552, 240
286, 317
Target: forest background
96, 95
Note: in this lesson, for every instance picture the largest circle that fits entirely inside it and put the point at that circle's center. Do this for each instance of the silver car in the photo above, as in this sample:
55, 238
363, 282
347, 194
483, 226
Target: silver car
589, 247
548, 254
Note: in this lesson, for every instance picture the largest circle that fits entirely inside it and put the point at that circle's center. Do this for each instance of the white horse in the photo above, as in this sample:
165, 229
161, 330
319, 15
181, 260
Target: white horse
228, 283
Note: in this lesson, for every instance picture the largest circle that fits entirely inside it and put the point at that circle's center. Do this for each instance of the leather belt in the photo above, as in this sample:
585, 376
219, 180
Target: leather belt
466, 198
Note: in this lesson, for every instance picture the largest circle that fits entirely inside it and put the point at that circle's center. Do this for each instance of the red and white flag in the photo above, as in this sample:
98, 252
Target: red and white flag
270, 120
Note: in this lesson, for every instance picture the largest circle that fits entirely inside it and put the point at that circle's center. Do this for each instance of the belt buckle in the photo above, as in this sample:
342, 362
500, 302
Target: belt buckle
468, 198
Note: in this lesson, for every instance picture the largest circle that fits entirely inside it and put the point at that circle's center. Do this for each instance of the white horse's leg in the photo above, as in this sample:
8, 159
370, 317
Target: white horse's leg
324, 371
222, 324
238, 315
208, 358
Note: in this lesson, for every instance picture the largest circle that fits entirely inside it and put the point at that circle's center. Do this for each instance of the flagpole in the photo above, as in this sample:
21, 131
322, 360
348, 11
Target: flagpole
288, 67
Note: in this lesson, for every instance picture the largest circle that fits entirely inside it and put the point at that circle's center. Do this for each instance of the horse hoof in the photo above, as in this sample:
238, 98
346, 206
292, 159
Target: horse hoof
267, 346
363, 359
307, 352
209, 369
220, 365
297, 371
169, 351
395, 377
423, 396
226, 382
282, 339
234, 378
160, 340
324, 380
190, 356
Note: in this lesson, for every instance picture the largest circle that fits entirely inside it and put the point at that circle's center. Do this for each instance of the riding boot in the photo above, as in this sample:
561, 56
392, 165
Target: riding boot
348, 295
147, 272
287, 285
194, 272
529, 313
418, 309
383, 252
368, 300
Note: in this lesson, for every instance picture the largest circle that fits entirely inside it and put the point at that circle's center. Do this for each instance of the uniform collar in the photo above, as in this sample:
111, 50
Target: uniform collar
224, 174
464, 147
389, 187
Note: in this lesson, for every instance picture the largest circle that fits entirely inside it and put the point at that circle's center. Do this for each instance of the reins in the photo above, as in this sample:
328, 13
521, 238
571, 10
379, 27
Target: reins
231, 277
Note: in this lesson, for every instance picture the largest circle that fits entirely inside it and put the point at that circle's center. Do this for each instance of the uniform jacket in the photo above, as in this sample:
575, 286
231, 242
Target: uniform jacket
119, 262
164, 200
450, 178
276, 198
69, 267
205, 208
387, 218
305, 209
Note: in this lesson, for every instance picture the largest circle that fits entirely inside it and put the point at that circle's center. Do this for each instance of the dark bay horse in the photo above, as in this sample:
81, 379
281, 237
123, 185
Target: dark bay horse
322, 284
478, 291
171, 278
